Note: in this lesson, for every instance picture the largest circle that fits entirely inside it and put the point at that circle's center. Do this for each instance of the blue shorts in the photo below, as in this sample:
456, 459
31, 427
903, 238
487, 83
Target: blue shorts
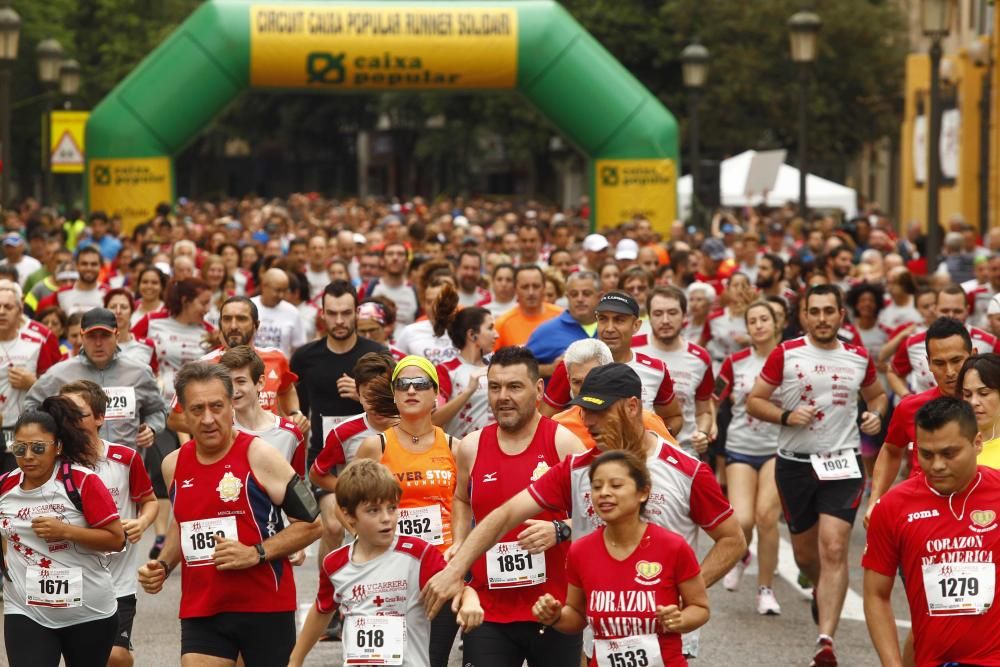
756, 462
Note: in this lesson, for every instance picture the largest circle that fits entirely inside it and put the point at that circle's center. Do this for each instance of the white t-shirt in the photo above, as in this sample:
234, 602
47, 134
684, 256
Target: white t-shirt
747, 435
308, 314
176, 344
28, 350
418, 338
498, 308
829, 381
318, 280
280, 327
724, 329
284, 436
404, 297
75, 300
122, 471
893, 317
25, 268
475, 413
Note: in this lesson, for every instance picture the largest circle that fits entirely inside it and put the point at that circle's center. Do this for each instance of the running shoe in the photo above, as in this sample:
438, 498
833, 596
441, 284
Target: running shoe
733, 578
767, 604
825, 657
157, 547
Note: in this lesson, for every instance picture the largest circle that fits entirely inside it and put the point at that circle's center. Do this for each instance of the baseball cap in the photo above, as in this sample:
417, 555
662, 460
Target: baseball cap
776, 228
606, 384
618, 302
359, 239
12, 239
460, 221
627, 249
98, 318
595, 243
727, 228
994, 307
715, 249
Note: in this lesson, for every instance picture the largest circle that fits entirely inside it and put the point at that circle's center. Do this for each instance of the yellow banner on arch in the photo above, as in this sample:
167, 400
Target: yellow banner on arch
626, 189
385, 48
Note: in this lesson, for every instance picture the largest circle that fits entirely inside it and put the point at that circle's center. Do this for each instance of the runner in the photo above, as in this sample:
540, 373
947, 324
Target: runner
690, 366
549, 341
463, 400
939, 530
376, 320
143, 350
582, 357
279, 324
617, 323
150, 291
59, 521
516, 325
494, 464
750, 451
247, 372
27, 355
420, 456
83, 294
685, 495
979, 382
819, 380
428, 337
393, 283
948, 347
632, 560
123, 473
237, 589
380, 560
503, 293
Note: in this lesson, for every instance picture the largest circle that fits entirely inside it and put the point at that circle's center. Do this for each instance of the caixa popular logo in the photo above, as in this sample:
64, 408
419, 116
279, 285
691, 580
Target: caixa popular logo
375, 70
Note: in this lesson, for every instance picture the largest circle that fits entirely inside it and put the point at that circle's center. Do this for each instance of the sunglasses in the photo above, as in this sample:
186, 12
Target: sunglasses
19, 449
419, 384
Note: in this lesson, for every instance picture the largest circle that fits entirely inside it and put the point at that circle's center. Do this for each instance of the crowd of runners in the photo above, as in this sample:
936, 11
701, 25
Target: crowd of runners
505, 434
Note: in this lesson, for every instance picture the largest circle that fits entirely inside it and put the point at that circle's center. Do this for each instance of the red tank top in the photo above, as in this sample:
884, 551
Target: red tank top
497, 477
225, 497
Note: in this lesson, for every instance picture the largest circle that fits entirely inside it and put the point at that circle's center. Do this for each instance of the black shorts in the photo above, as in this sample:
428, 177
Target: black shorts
804, 497
126, 615
165, 442
511, 644
264, 639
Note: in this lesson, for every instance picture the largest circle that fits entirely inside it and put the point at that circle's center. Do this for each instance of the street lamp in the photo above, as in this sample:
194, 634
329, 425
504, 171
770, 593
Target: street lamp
694, 68
936, 22
10, 33
50, 58
981, 52
803, 28
69, 78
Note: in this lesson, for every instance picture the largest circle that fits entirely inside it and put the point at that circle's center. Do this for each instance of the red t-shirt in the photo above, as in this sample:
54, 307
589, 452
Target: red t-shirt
902, 431
919, 529
622, 595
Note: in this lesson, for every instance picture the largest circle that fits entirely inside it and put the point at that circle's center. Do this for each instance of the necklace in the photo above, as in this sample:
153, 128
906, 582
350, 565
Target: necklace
414, 438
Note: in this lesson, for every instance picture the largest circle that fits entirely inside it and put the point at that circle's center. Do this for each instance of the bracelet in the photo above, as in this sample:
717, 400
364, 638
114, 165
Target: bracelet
166, 568
260, 552
784, 417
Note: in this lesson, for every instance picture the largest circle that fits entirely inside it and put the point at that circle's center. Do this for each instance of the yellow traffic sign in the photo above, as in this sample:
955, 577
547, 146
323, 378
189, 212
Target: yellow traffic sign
66, 141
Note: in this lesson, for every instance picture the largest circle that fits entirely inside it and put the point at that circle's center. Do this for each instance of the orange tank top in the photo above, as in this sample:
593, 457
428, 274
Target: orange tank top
428, 481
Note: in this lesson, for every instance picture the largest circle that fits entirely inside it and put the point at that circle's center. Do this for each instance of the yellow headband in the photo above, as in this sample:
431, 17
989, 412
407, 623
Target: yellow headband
419, 362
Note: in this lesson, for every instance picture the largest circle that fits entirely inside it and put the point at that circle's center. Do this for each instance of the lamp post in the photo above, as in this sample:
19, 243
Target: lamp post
50, 58
935, 23
981, 52
694, 68
69, 79
10, 33
803, 28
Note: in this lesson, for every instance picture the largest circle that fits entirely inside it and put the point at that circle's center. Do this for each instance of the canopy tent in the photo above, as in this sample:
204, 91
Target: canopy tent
733, 178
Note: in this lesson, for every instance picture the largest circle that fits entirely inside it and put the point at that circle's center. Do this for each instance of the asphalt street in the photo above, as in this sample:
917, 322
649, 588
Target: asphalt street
735, 636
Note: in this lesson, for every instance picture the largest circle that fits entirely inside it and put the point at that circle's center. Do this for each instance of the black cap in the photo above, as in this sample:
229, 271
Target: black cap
98, 318
606, 384
618, 302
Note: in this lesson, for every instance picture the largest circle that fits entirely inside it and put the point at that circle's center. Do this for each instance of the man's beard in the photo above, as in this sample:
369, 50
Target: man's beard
765, 283
620, 432
516, 422
236, 339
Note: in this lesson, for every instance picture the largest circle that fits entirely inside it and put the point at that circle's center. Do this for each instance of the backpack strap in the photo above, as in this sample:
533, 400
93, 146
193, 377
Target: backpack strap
381, 437
66, 470
451, 442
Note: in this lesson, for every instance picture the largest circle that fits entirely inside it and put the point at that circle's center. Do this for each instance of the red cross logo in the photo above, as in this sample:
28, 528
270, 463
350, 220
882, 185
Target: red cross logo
45, 563
378, 601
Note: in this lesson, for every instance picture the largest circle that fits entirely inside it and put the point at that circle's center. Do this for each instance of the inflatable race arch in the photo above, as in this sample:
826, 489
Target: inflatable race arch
534, 47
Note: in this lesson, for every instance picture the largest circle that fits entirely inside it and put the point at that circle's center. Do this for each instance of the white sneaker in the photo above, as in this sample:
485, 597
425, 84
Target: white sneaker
767, 604
733, 578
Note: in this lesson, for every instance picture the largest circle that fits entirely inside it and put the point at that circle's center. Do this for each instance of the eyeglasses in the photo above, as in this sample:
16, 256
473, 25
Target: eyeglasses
20, 449
419, 384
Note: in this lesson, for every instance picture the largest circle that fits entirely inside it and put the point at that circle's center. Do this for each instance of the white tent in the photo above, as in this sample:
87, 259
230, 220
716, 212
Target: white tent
733, 172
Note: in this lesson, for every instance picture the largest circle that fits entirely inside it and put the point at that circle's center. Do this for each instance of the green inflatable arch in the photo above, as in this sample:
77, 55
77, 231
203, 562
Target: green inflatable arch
534, 47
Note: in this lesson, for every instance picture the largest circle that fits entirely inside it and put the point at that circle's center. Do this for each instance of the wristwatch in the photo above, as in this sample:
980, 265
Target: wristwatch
563, 531
260, 551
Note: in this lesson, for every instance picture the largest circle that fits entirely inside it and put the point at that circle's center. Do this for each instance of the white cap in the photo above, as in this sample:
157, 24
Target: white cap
627, 249
706, 287
163, 267
359, 239
595, 243
994, 307
460, 221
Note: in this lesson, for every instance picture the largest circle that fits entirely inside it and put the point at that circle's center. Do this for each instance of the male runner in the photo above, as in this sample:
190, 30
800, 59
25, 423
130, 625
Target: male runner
819, 380
228, 490
940, 528
83, 294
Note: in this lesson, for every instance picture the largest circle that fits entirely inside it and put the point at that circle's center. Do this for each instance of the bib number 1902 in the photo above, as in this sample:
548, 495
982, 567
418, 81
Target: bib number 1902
636, 658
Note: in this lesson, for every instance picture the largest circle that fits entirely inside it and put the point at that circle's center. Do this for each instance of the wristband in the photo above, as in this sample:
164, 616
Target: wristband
166, 568
784, 417
260, 552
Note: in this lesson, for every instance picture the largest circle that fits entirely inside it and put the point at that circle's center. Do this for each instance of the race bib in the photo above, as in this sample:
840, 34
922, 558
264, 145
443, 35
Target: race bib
634, 651
374, 640
510, 566
54, 587
959, 589
121, 402
838, 465
422, 522
198, 538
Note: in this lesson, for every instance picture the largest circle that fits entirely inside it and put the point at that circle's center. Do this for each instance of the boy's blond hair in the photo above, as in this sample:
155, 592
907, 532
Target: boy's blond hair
364, 480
